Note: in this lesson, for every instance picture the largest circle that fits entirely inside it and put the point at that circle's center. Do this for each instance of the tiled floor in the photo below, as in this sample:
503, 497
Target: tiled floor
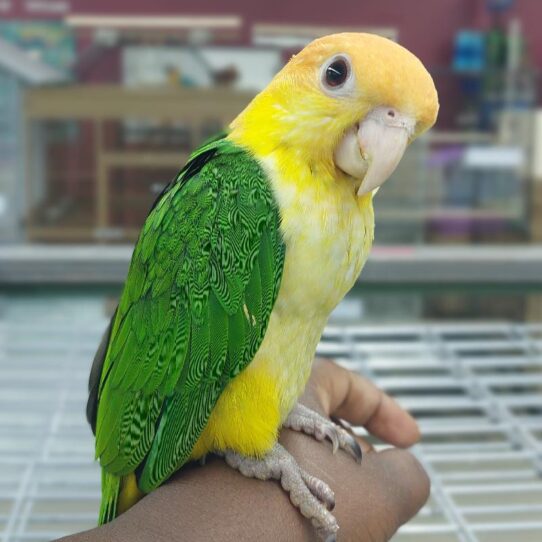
475, 388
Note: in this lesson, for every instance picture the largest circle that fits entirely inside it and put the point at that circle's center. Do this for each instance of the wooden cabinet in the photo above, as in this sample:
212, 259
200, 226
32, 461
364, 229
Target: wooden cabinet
97, 156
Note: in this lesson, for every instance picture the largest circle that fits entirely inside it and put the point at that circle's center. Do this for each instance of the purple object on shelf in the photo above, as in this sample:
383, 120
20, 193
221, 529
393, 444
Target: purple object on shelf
449, 226
445, 156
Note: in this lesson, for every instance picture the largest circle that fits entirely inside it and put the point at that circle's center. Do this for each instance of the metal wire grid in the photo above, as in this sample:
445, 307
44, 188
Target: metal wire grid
476, 390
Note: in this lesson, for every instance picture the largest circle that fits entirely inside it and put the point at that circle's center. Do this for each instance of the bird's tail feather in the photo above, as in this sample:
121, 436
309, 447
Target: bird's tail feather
118, 494
110, 497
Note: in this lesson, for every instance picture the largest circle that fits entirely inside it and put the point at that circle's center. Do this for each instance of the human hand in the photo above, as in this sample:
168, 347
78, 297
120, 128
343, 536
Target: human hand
372, 500
217, 503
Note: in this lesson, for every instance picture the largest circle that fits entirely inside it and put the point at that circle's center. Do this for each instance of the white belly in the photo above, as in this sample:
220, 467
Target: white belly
326, 246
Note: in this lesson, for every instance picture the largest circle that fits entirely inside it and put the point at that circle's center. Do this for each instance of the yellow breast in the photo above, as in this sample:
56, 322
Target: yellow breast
328, 233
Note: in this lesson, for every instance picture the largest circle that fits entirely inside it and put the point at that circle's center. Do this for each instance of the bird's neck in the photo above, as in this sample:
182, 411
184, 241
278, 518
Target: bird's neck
328, 231
275, 123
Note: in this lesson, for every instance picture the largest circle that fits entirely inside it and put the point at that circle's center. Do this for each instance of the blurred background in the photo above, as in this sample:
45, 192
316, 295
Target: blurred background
100, 105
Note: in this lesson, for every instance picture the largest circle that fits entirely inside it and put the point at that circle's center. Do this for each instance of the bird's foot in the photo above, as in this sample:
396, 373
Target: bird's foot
311, 496
306, 420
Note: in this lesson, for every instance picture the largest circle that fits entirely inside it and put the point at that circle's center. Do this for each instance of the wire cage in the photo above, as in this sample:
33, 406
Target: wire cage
475, 389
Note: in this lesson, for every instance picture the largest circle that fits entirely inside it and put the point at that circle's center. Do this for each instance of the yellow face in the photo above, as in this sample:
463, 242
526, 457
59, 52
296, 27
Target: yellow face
382, 73
345, 99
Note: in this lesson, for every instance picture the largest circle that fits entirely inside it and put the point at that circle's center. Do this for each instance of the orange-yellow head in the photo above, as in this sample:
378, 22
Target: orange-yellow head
346, 105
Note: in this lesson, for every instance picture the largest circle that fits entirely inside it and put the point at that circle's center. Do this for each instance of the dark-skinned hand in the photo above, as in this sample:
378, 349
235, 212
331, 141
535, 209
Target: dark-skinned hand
214, 502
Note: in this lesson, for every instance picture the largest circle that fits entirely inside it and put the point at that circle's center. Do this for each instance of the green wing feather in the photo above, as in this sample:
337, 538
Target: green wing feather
209, 251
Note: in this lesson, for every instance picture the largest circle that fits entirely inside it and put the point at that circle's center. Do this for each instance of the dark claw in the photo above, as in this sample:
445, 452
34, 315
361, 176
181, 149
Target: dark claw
329, 503
353, 444
355, 449
331, 434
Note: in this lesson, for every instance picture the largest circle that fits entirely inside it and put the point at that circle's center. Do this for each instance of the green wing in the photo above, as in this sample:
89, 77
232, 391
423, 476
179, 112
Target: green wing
195, 307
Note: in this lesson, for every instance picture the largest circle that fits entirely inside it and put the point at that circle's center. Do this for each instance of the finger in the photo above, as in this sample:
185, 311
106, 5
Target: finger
356, 399
390, 489
366, 447
412, 490
373, 501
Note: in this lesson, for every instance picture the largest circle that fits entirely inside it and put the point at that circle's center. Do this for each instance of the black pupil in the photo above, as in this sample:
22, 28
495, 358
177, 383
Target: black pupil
336, 73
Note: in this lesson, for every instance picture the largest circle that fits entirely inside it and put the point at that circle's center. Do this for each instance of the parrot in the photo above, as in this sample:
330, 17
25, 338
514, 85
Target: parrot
236, 270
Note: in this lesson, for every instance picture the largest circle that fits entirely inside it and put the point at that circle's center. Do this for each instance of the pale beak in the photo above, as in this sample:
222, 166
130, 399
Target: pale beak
373, 150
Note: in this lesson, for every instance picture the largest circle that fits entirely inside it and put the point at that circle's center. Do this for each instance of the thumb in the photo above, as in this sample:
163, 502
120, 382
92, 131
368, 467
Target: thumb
392, 487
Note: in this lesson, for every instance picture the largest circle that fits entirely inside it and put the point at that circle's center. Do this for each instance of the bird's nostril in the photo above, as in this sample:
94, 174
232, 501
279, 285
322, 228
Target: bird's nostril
391, 113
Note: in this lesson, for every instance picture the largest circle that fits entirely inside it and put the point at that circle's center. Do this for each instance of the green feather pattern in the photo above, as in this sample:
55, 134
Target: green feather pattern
209, 252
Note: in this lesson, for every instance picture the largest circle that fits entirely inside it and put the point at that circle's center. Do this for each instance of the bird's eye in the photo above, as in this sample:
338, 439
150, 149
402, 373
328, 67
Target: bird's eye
336, 73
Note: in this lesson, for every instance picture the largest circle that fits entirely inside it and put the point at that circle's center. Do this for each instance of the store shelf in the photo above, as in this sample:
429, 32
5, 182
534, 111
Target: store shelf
460, 137
148, 159
442, 214
475, 389
422, 265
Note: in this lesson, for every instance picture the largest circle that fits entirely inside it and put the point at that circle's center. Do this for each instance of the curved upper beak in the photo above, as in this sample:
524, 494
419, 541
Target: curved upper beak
383, 137
373, 150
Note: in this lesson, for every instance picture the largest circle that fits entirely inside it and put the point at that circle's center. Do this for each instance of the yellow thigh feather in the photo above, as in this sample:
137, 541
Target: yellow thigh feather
246, 417
129, 493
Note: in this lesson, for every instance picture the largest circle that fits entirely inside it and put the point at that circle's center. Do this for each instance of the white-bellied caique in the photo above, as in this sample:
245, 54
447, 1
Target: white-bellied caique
237, 268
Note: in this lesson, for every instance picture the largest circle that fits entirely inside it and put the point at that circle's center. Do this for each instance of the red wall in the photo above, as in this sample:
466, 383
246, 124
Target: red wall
426, 27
